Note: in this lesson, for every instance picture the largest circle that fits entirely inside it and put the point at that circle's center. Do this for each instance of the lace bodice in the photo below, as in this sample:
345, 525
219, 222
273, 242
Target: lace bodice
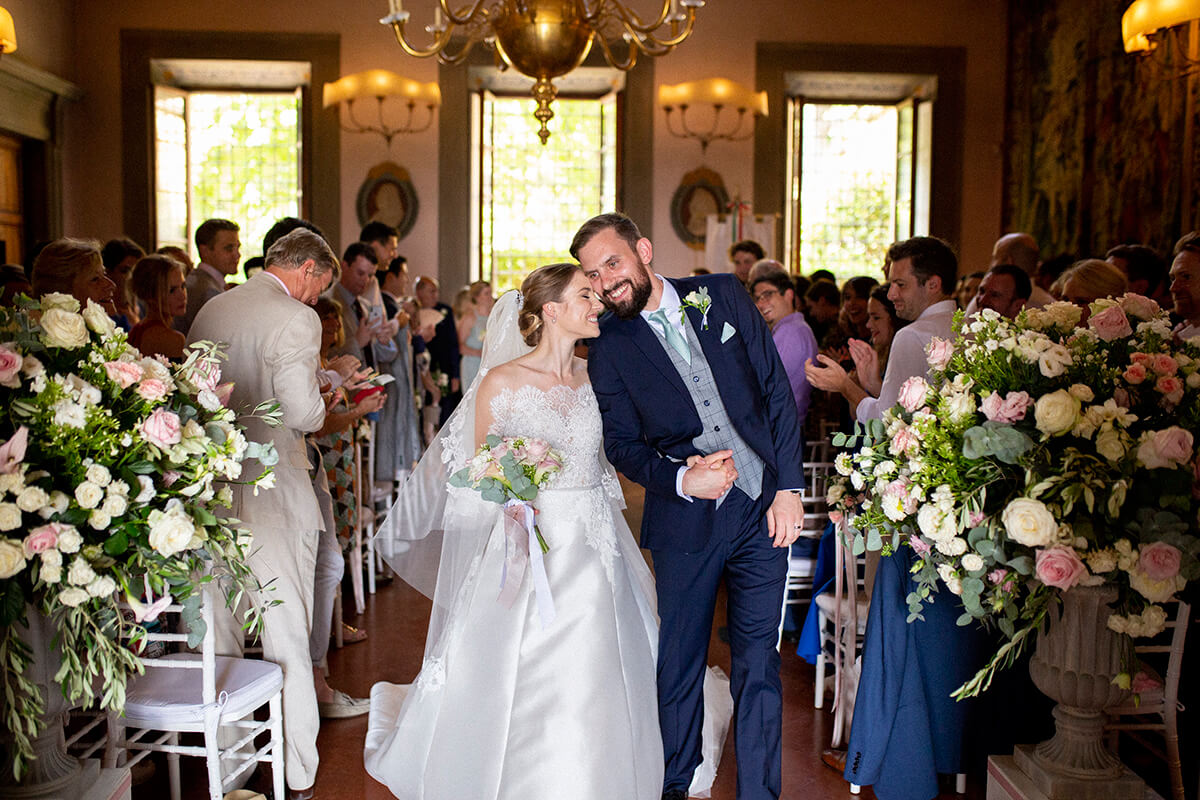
567, 418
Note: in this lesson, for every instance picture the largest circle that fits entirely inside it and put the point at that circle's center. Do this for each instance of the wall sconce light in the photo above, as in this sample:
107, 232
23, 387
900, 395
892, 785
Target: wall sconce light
8, 32
719, 94
1167, 32
381, 84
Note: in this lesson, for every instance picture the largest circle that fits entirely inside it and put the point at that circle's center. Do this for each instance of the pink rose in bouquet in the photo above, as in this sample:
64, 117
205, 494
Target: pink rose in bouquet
912, 393
1135, 305
41, 538
1110, 324
162, 428
1135, 373
939, 353
1171, 388
1011, 408
152, 389
10, 367
1165, 449
1059, 567
123, 373
1159, 561
1163, 364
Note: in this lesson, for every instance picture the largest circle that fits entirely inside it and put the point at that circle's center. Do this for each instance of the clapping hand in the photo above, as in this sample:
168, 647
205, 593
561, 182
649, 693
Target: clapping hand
830, 376
708, 477
866, 363
343, 365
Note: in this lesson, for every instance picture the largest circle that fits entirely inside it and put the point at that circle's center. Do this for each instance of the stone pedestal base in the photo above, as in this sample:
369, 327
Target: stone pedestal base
1007, 779
104, 784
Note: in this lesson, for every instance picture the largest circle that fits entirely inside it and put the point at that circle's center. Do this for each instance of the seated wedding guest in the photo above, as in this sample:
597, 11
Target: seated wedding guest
73, 266
924, 271
471, 327
1185, 284
179, 254
220, 251
744, 254
274, 352
443, 347
1091, 279
968, 285
12, 283
1145, 270
1005, 289
119, 257
775, 299
159, 283
763, 268
824, 305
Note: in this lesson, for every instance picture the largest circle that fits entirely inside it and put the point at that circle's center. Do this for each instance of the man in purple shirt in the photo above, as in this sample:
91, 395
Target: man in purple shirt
775, 298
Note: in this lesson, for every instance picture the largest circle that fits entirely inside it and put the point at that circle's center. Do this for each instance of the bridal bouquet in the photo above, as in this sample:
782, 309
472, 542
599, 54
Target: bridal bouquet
108, 468
1040, 456
510, 471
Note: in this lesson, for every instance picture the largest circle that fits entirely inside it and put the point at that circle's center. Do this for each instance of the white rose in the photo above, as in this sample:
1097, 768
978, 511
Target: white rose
1029, 522
12, 558
50, 573
63, 329
960, 405
60, 301
1111, 445
102, 587
208, 400
69, 540
99, 475
952, 546
72, 597
171, 531
115, 505
952, 581
59, 501
157, 370
80, 572
32, 498
1082, 392
146, 491
118, 488
972, 562
51, 558
1101, 561
88, 495
1055, 413
97, 320
99, 519
10, 517
929, 520
12, 482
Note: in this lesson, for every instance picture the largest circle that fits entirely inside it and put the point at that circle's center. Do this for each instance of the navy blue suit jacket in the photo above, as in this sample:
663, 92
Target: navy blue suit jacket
650, 420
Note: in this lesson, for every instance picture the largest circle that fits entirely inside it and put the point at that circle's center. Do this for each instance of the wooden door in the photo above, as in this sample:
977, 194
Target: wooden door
12, 221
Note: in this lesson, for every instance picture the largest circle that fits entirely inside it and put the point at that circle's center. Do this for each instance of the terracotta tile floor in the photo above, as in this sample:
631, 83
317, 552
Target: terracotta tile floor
396, 618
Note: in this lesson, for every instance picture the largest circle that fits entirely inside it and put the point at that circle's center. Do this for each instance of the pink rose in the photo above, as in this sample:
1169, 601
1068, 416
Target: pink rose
905, 441
1135, 374
152, 389
123, 373
1111, 323
206, 375
1010, 408
1144, 682
1171, 388
1135, 305
1140, 358
919, 545
1159, 561
162, 428
1163, 364
939, 353
1166, 448
997, 576
41, 538
912, 393
1059, 566
536, 449
10, 367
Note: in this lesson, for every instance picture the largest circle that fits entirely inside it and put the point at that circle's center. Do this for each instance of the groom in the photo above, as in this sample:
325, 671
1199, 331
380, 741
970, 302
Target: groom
697, 408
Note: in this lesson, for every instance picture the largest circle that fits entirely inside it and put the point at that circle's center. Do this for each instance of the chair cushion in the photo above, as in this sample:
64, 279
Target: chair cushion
170, 698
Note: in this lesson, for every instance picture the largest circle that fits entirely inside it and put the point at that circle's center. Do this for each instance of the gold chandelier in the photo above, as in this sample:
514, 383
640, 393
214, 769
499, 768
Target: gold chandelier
546, 39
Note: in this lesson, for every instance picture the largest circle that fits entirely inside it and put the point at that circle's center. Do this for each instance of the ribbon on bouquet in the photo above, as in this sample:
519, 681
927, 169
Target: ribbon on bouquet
520, 547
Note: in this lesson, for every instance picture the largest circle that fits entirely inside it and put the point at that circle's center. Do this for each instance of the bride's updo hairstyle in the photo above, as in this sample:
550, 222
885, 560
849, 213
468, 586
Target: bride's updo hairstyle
544, 285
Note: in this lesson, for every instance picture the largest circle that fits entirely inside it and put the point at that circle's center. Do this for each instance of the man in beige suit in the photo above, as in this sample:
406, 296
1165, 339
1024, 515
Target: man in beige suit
274, 342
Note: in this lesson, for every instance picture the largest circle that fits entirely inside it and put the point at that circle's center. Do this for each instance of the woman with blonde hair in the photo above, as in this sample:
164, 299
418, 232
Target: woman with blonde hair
471, 324
1090, 280
74, 267
158, 281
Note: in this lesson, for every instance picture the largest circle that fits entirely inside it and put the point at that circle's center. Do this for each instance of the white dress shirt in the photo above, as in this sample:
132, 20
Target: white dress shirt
907, 357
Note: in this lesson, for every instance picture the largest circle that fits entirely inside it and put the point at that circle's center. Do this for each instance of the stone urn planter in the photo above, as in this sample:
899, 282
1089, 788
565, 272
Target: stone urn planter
53, 773
1074, 664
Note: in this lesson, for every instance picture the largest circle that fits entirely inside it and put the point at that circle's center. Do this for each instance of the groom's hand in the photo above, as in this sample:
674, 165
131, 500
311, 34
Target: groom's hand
708, 477
785, 518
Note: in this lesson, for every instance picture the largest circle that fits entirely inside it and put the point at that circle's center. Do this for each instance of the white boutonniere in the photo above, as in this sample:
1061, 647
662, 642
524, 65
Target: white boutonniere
700, 301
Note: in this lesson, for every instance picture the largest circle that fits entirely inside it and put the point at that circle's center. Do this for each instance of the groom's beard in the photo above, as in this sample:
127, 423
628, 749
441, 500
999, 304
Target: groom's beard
637, 297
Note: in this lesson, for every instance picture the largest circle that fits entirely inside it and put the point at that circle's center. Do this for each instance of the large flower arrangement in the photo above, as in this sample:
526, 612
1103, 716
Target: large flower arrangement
107, 493
1039, 456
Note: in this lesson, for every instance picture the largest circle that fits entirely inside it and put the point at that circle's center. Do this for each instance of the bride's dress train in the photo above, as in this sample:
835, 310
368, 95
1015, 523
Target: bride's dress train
504, 708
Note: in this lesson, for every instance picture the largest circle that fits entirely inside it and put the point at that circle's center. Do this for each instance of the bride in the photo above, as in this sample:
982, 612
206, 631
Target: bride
511, 702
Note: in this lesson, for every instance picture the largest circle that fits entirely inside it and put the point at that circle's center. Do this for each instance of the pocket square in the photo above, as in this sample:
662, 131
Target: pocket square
727, 332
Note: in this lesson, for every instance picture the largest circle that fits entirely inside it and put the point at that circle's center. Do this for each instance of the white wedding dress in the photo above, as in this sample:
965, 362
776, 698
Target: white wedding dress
502, 707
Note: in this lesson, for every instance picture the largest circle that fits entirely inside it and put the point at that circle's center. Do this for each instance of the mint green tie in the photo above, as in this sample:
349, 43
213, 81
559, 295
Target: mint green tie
672, 335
